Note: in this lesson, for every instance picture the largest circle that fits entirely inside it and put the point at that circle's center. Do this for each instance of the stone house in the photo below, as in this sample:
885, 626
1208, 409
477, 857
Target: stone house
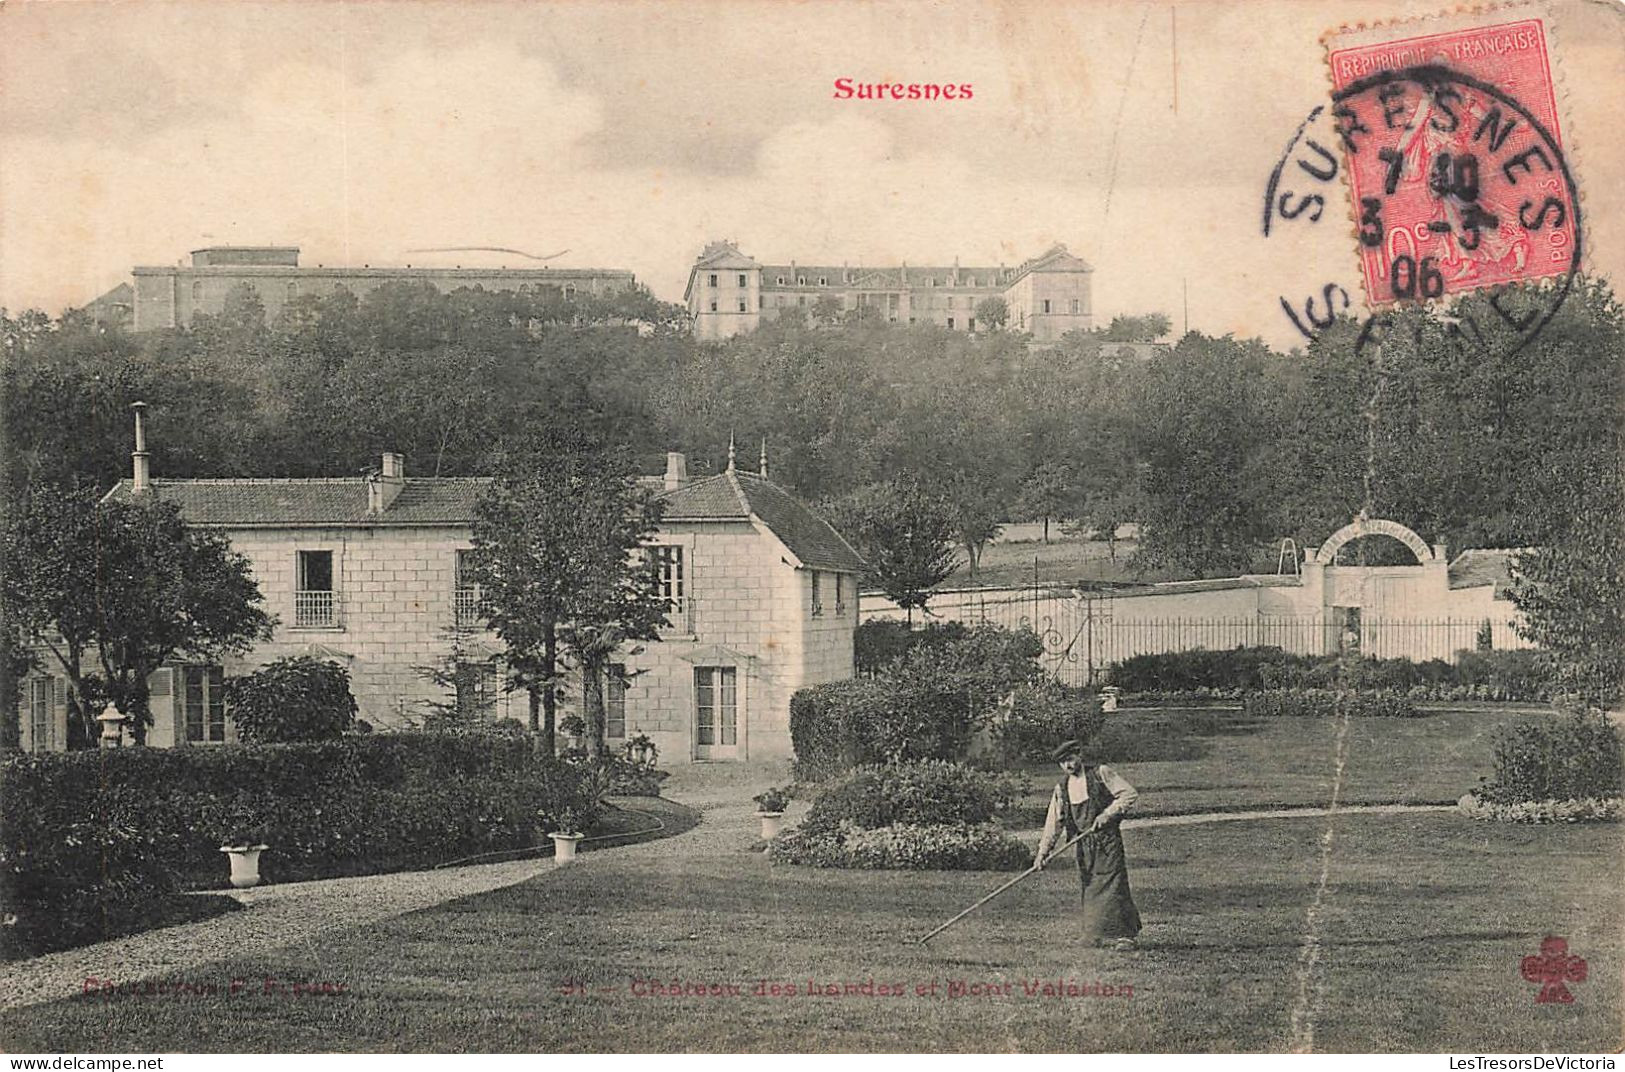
365, 571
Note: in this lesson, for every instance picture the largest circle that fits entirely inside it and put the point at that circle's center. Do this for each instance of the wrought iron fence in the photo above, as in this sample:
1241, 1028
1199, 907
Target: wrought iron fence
1083, 634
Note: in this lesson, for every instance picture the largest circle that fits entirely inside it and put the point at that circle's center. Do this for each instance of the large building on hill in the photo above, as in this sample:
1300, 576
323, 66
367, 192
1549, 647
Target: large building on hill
366, 572
170, 296
730, 293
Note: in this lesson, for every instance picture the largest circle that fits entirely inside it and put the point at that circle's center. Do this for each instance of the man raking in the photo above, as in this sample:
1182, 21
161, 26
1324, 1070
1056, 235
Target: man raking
1091, 800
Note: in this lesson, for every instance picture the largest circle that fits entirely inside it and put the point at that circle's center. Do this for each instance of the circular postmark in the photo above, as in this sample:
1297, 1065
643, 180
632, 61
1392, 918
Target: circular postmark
1452, 185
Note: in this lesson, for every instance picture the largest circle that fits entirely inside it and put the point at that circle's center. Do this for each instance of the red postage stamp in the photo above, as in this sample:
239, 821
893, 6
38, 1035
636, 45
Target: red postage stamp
1455, 159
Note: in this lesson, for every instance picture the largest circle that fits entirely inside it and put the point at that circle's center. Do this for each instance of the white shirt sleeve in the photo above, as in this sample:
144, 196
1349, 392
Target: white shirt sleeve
1052, 825
1124, 795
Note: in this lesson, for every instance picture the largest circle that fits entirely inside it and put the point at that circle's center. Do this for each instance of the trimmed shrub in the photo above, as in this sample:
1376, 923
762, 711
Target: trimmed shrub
294, 699
922, 793
879, 642
1524, 675
1315, 703
1041, 717
901, 846
1572, 757
90, 841
924, 706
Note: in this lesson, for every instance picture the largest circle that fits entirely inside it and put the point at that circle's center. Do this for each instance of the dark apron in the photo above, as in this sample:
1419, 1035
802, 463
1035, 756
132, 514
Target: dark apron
1108, 906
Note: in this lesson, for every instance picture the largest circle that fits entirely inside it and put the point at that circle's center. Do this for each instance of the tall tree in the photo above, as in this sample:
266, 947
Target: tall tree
906, 535
164, 591
558, 540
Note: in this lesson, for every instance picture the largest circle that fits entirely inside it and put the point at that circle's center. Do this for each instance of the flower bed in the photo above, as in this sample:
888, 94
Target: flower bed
904, 847
1578, 810
1311, 703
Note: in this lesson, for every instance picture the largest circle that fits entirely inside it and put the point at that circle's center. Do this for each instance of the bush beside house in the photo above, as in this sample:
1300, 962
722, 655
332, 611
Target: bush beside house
92, 841
293, 699
925, 705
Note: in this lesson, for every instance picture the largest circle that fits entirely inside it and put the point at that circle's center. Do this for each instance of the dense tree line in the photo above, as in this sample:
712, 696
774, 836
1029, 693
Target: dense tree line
1218, 447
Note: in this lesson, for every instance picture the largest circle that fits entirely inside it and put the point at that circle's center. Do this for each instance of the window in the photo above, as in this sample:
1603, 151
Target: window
716, 703
615, 701
950, 323
801, 280
569, 292
713, 279
1074, 307
801, 299
713, 305
741, 304
203, 702
476, 689
197, 290
761, 301
668, 559
970, 324
1046, 305
823, 281
293, 289
840, 594
465, 596
313, 604
817, 596
781, 280
41, 718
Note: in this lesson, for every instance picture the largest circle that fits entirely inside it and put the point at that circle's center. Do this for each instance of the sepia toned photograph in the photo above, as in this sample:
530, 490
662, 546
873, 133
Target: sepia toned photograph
979, 526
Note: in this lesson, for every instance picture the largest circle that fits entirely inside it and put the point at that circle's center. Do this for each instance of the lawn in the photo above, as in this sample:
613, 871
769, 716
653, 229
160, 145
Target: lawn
1419, 935
1200, 759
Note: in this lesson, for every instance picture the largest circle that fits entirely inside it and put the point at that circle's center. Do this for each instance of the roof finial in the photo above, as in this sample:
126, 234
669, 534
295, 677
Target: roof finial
764, 458
730, 452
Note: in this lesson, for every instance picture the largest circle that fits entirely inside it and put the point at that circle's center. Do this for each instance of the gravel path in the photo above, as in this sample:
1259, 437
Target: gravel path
284, 914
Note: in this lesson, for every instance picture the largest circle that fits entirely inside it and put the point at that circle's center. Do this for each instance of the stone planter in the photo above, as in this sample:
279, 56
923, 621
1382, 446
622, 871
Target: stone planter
564, 848
245, 864
772, 822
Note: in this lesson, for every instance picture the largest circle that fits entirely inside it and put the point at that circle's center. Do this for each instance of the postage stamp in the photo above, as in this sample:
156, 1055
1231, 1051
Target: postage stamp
1455, 159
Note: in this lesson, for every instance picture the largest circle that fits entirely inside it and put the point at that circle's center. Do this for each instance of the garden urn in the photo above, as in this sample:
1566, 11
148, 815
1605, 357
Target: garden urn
771, 823
564, 847
1108, 698
245, 864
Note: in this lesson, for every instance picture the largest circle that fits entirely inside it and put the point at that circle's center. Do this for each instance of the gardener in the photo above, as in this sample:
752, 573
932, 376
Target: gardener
1093, 798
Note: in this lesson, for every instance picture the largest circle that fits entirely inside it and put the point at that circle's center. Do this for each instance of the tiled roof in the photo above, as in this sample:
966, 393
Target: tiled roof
737, 496
1481, 566
918, 276
341, 501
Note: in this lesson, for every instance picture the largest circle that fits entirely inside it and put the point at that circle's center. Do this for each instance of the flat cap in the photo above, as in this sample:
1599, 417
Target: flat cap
1066, 750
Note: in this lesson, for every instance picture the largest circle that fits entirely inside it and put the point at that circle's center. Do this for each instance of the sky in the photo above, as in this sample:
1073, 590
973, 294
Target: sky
630, 134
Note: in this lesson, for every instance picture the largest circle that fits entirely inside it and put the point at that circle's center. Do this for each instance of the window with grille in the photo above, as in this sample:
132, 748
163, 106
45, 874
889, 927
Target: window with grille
313, 599
41, 720
670, 574
615, 702
203, 704
465, 595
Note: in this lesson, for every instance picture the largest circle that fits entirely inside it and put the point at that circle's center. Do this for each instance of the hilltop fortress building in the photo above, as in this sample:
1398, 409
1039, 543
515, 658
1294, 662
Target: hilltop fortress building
730, 293
170, 296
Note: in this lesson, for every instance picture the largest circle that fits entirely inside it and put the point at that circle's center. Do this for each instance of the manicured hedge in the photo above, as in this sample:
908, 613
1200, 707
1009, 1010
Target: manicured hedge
88, 840
1524, 675
879, 642
1310, 703
926, 705
922, 793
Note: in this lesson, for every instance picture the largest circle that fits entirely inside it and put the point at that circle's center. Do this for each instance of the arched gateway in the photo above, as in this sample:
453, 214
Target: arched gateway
1364, 526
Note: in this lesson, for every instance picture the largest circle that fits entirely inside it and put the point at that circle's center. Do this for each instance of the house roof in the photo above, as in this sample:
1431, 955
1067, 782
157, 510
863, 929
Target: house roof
737, 496
317, 503
342, 502
1482, 566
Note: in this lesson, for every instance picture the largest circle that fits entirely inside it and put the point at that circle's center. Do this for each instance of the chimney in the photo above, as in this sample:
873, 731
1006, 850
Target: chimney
385, 484
141, 477
676, 470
